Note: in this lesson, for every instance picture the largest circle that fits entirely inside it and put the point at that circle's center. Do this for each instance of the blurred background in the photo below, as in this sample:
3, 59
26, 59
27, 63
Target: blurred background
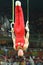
33, 11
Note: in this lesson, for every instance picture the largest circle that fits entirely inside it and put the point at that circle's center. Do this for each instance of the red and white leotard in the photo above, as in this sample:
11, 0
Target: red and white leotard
19, 27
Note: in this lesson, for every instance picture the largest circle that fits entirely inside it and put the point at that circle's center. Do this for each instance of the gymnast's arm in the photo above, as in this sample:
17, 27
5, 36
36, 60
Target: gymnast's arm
13, 35
26, 37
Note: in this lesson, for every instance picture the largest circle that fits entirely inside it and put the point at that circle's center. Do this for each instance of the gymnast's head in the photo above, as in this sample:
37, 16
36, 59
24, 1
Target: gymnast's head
20, 53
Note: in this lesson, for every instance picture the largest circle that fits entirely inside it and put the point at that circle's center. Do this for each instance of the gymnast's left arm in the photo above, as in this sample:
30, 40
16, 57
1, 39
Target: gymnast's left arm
26, 37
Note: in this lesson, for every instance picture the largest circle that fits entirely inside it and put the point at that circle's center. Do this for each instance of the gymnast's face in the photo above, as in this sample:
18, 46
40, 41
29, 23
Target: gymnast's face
20, 52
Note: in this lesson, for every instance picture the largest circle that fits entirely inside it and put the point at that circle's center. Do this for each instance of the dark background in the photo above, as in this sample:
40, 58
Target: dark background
36, 23
6, 8
35, 6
